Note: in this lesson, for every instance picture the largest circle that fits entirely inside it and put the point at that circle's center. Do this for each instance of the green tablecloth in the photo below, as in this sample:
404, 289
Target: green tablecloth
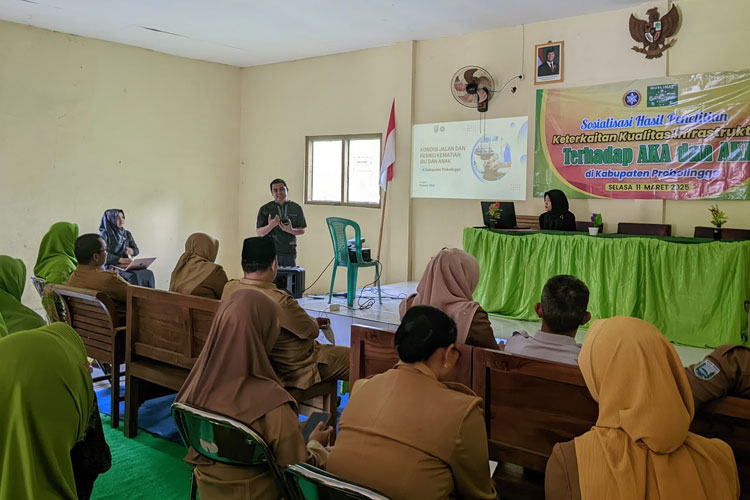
694, 293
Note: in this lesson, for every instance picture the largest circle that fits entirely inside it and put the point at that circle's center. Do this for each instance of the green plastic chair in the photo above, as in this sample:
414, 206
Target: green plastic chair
337, 227
224, 440
311, 483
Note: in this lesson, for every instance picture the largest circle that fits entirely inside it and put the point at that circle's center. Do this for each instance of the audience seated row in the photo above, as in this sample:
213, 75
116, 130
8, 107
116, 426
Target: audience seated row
18, 317
51, 436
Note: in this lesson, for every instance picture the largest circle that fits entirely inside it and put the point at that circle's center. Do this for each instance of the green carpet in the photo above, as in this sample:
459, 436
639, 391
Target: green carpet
143, 468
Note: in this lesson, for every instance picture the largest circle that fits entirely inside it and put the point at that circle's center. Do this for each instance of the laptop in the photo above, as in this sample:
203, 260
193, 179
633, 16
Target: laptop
507, 216
137, 264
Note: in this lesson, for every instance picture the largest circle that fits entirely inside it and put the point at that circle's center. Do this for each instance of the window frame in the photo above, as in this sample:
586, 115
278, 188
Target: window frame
345, 138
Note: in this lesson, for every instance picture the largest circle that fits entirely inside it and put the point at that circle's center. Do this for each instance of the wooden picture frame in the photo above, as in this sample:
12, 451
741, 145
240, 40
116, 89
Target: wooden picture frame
549, 61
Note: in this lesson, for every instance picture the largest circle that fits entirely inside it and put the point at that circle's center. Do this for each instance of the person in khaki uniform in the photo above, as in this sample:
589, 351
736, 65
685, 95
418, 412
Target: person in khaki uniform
407, 434
233, 377
196, 273
640, 446
91, 253
299, 361
724, 372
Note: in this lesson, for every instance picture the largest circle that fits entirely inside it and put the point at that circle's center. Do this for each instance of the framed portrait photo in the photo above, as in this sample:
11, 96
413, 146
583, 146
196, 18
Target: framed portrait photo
550, 62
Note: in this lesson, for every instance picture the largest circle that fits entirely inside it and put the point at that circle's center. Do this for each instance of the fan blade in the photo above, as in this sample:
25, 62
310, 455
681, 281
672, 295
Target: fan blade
483, 81
469, 74
467, 98
483, 95
458, 85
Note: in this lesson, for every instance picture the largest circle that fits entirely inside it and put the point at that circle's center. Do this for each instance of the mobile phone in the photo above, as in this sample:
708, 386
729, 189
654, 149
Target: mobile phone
312, 422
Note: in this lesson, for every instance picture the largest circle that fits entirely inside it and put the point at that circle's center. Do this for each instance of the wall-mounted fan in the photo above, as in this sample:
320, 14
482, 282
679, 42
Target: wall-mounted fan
473, 86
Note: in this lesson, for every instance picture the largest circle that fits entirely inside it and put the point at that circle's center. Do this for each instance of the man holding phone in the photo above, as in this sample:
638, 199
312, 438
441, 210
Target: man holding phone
282, 220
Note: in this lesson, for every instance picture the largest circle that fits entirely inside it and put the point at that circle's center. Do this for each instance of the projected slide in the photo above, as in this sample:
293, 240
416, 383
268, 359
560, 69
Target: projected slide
475, 160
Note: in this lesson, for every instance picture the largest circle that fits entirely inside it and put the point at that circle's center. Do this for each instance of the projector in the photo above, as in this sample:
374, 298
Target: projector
366, 254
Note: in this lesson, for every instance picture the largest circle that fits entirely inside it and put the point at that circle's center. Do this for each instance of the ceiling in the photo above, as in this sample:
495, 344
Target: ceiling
252, 32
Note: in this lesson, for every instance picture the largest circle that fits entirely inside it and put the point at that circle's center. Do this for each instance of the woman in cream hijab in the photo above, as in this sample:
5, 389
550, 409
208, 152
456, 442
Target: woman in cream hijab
195, 272
448, 283
640, 447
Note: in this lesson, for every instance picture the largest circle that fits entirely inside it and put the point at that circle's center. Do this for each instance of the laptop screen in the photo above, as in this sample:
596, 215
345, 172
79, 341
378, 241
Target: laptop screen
507, 214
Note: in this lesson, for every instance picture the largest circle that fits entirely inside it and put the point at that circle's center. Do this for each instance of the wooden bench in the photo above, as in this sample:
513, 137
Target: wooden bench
372, 351
92, 314
165, 334
529, 406
728, 419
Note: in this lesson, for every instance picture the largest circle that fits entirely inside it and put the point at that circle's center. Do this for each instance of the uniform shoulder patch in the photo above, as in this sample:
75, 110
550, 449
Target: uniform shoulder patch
706, 369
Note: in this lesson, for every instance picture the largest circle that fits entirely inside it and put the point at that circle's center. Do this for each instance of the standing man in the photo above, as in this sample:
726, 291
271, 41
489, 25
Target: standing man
282, 220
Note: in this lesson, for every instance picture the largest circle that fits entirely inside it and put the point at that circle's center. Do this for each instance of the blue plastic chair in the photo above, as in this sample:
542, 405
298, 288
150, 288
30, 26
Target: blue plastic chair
337, 227
225, 440
314, 484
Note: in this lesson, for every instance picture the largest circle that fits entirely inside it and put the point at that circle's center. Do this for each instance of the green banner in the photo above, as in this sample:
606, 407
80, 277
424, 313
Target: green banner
675, 138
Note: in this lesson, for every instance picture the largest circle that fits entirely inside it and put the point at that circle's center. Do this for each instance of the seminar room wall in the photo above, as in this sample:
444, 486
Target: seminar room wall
350, 93
87, 125
713, 37
595, 52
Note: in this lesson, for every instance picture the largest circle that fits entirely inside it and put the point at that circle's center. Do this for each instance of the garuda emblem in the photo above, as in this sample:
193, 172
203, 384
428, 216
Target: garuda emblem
653, 33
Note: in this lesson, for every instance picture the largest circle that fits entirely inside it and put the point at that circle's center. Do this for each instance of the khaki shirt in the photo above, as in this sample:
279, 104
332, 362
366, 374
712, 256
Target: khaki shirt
410, 436
724, 372
280, 428
95, 278
293, 357
213, 286
549, 346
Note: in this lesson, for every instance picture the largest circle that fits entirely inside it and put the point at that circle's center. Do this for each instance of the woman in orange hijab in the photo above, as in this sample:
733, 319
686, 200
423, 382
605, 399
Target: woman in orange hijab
448, 284
640, 447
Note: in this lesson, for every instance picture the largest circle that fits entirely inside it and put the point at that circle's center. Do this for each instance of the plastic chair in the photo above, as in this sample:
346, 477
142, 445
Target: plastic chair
224, 440
314, 484
38, 285
337, 227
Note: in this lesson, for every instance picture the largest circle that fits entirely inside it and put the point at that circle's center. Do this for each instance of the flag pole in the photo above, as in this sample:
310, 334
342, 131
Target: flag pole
382, 219
386, 169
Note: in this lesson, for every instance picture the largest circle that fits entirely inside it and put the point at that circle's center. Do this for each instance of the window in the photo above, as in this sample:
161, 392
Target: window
344, 170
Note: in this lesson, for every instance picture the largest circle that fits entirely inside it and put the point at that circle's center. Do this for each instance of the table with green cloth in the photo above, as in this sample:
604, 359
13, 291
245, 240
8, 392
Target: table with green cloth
692, 289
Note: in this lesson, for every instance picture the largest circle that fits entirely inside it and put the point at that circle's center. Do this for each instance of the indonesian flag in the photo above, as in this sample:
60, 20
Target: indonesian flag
389, 151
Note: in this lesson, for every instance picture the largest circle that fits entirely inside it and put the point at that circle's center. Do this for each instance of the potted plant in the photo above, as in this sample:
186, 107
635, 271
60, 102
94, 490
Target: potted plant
718, 218
597, 223
494, 213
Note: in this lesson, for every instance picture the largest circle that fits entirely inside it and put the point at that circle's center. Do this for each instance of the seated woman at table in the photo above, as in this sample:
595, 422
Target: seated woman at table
557, 217
407, 434
56, 258
448, 283
234, 377
121, 248
640, 446
195, 272
51, 437
12, 280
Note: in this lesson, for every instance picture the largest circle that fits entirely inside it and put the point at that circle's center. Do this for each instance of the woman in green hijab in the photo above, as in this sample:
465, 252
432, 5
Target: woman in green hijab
48, 403
56, 258
12, 280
